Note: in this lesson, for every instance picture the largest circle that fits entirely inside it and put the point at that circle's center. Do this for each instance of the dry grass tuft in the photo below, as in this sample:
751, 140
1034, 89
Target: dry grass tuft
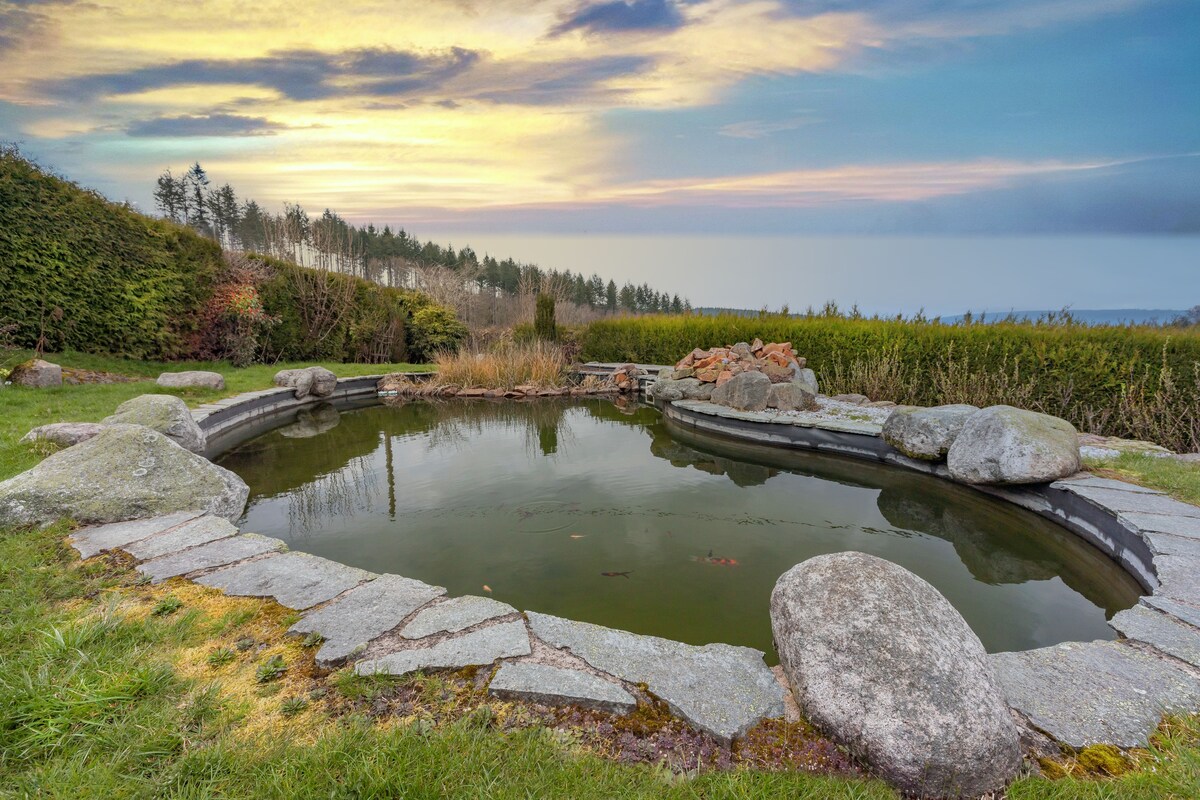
504, 366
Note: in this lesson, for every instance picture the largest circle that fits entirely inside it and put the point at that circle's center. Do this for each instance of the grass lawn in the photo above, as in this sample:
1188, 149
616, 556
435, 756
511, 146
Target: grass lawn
22, 408
113, 688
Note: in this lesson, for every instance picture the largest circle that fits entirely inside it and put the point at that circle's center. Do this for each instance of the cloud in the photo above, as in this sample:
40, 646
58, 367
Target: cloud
295, 74
620, 16
548, 83
759, 129
206, 125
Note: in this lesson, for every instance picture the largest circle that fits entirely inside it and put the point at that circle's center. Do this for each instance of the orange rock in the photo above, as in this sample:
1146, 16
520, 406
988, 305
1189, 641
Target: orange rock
708, 362
756, 345
707, 375
773, 347
686, 361
619, 376
724, 377
776, 357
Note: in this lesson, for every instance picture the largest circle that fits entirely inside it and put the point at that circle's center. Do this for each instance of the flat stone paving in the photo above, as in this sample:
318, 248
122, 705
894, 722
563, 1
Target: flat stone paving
115, 535
548, 685
719, 688
208, 556
294, 580
1178, 577
1161, 631
477, 648
1163, 523
454, 615
349, 623
200, 530
1123, 501
1084, 693
1182, 611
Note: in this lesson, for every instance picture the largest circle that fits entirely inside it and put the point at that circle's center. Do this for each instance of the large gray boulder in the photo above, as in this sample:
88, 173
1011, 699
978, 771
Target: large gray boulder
192, 379
791, 397
307, 382
1006, 445
63, 434
746, 391
926, 433
36, 374
805, 378
123, 472
882, 663
164, 413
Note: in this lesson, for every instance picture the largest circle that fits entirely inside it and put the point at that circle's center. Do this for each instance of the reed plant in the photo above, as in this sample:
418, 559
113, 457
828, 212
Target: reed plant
505, 365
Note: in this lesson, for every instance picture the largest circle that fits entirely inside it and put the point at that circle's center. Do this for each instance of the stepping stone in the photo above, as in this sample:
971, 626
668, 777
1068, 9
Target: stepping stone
115, 535
201, 530
454, 615
349, 623
207, 556
477, 648
294, 580
719, 688
1178, 577
1183, 611
1123, 502
1166, 544
1155, 628
539, 683
1164, 523
1084, 693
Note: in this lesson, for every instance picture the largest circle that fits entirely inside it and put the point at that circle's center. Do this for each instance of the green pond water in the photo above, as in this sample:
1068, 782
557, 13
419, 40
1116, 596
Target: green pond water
608, 514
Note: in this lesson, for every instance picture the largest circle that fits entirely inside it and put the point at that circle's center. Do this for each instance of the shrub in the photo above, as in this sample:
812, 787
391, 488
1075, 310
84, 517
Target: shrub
435, 330
1141, 382
543, 320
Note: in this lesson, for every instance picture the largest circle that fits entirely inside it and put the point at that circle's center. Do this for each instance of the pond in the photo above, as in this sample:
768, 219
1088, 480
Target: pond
606, 513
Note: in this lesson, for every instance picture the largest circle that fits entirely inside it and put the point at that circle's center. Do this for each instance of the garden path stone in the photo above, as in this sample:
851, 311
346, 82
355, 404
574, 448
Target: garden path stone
349, 623
1166, 544
541, 683
1084, 693
1092, 482
201, 530
454, 615
1164, 523
1179, 577
294, 580
719, 688
1155, 628
207, 556
1182, 611
479, 647
115, 535
1124, 502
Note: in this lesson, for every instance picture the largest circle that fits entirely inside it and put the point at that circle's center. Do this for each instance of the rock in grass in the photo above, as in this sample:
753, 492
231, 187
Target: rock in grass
746, 391
192, 379
36, 374
926, 433
882, 662
1006, 445
307, 382
123, 472
63, 434
164, 413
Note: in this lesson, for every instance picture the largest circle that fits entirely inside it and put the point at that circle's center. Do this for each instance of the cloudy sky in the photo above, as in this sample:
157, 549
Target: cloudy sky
737, 116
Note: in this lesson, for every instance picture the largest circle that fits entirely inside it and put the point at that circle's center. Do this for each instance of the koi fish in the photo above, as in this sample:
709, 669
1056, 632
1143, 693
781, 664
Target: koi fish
487, 588
716, 560
616, 574
578, 535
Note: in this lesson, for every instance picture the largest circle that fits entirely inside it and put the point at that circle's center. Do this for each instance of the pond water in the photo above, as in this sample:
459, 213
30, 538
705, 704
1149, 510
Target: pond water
606, 513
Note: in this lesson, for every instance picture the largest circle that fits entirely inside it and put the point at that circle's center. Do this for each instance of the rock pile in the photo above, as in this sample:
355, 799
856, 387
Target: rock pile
718, 365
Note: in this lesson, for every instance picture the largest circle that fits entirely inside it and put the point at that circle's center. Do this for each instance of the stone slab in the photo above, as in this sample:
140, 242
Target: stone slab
1124, 502
1084, 693
294, 580
1158, 630
454, 615
1182, 611
477, 648
116, 535
201, 530
1093, 482
1178, 577
207, 556
1164, 523
719, 688
349, 623
1166, 544
540, 683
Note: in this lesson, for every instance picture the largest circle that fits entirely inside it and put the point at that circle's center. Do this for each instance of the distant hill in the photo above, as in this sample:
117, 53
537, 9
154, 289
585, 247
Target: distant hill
1088, 316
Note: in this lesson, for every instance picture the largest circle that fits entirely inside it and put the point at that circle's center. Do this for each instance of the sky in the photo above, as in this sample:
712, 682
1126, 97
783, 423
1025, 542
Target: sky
736, 117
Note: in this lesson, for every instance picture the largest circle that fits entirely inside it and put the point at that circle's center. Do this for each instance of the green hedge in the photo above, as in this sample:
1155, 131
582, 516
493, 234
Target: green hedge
1098, 377
94, 276
91, 275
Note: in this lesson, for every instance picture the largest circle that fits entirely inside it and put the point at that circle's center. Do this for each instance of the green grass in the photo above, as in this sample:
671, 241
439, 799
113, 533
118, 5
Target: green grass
1179, 479
22, 408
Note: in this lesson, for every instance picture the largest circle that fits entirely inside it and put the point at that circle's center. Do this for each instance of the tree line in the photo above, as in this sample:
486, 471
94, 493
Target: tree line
384, 255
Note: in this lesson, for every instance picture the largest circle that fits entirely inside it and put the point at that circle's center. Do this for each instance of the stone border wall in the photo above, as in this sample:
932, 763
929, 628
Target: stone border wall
1076, 693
